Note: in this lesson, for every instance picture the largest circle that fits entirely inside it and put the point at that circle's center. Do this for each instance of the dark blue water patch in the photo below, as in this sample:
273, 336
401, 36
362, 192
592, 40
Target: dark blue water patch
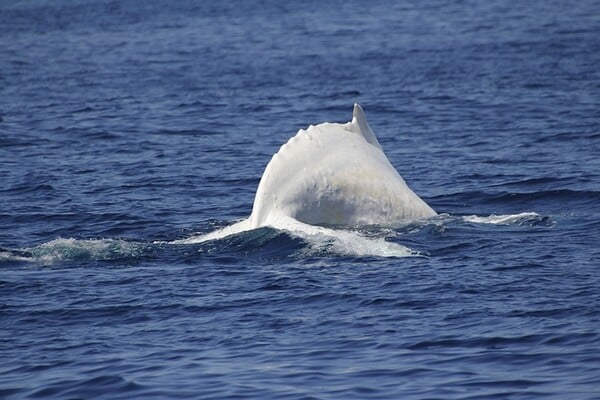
508, 201
266, 241
92, 387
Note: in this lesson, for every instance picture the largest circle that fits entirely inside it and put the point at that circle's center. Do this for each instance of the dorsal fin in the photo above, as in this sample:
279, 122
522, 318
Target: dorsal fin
359, 118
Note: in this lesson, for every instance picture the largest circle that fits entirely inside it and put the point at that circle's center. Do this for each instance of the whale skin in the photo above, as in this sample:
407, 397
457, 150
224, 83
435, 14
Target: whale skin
335, 174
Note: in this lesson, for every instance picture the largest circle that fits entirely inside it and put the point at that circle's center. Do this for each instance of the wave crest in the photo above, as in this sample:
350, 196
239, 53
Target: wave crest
524, 218
71, 249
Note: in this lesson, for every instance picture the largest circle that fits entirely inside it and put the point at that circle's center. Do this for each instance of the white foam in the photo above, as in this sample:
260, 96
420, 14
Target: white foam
233, 229
320, 239
502, 219
341, 241
7, 256
63, 249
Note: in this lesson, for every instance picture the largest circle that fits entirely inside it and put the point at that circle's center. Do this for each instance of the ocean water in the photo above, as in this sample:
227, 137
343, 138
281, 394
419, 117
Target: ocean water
127, 129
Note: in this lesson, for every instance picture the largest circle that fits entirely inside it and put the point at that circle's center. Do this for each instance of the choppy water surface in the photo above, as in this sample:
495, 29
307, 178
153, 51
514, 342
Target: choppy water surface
128, 128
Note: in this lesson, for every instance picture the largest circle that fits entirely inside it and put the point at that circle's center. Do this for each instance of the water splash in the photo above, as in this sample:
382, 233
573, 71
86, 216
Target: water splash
71, 249
319, 240
280, 238
524, 218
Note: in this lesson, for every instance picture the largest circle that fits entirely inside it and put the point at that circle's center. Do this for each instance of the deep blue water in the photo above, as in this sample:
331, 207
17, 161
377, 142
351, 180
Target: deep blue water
127, 125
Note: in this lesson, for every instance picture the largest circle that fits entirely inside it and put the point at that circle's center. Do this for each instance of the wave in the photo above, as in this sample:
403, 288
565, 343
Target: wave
319, 239
512, 198
524, 218
70, 249
284, 238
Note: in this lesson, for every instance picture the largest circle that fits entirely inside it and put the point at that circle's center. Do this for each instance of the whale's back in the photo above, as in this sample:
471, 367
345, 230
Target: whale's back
335, 174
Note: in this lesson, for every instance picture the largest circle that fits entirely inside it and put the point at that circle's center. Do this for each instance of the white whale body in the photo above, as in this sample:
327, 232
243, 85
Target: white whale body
335, 174
331, 174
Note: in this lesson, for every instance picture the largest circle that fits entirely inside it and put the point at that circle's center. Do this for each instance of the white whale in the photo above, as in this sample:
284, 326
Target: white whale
335, 174
331, 174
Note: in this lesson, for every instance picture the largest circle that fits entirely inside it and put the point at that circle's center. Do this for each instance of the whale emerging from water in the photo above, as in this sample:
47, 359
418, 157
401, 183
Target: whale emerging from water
335, 174
330, 175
